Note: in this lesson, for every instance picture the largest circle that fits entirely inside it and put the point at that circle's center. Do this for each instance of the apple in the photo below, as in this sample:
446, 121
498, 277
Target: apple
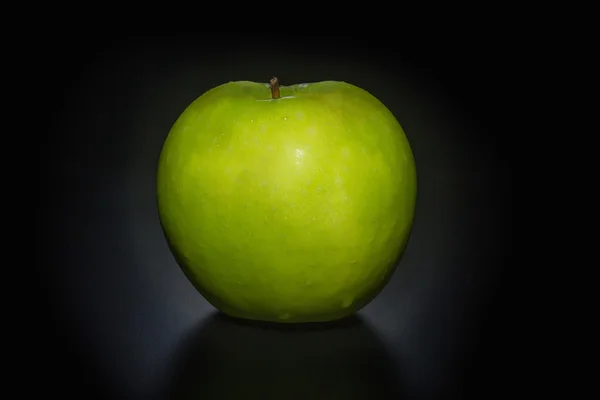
287, 203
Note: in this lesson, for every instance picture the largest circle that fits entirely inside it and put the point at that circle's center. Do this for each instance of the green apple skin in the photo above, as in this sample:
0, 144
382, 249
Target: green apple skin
294, 209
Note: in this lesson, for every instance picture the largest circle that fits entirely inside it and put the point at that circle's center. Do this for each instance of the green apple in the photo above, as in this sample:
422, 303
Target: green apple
287, 203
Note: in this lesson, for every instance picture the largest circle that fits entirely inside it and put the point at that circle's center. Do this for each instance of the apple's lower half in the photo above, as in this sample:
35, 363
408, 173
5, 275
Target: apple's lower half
310, 299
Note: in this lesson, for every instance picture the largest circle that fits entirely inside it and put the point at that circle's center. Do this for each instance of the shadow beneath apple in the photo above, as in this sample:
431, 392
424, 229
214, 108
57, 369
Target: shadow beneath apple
226, 358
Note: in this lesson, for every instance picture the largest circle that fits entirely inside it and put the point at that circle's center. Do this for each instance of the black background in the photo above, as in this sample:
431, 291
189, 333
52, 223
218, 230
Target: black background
122, 320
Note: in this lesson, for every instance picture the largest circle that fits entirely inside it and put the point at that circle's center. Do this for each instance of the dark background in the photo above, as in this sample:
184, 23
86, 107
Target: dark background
119, 319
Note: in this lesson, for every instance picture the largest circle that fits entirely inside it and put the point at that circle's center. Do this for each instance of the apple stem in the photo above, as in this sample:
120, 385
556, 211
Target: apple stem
274, 85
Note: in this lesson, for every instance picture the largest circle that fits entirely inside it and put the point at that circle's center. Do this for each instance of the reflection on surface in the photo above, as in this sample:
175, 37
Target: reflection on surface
230, 359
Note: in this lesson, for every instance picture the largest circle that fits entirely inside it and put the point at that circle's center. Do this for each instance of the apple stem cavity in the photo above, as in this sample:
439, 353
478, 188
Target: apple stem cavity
274, 85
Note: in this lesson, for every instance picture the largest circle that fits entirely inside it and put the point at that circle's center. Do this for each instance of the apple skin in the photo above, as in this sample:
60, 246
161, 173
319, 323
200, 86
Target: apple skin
294, 209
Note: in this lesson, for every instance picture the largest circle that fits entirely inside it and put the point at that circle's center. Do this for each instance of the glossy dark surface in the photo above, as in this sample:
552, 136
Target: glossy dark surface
123, 321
